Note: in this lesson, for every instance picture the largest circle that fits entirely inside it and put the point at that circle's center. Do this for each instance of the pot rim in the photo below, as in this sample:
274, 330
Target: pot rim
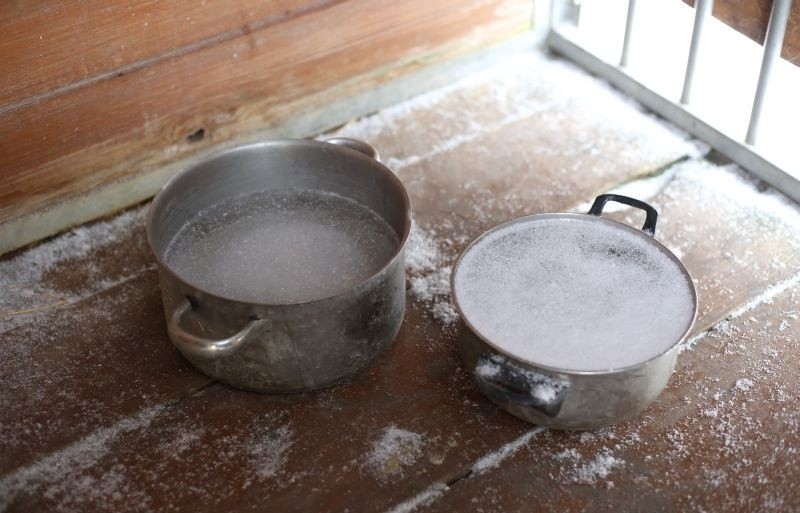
310, 143
583, 217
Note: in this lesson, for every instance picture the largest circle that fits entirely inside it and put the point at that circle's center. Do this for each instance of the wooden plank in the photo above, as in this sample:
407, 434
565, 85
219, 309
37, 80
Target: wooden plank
722, 437
534, 135
733, 239
302, 452
114, 197
708, 443
413, 418
751, 17
413, 423
84, 365
80, 338
70, 143
276, 451
72, 267
50, 45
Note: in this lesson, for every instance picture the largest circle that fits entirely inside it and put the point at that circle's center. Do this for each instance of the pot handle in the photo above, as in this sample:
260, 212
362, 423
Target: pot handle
200, 346
506, 382
649, 222
355, 144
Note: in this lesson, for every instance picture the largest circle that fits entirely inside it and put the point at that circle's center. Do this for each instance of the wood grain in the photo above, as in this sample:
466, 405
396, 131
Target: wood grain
318, 451
51, 45
69, 143
90, 335
64, 351
710, 443
751, 17
118, 443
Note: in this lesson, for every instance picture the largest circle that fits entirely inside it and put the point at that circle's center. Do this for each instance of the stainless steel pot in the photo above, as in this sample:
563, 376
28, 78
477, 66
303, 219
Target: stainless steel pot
558, 397
283, 347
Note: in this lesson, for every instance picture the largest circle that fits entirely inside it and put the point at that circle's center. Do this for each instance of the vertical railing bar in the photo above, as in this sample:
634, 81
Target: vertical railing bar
702, 13
626, 43
563, 10
556, 12
773, 44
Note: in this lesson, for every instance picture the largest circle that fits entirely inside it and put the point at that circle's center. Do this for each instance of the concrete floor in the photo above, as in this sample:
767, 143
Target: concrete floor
99, 412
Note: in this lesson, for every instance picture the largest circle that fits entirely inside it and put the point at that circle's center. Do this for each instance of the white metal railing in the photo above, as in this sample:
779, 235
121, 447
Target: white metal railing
773, 43
743, 148
703, 8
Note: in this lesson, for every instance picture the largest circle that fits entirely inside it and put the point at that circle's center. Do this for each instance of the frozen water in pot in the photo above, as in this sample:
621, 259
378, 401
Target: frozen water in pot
282, 246
574, 294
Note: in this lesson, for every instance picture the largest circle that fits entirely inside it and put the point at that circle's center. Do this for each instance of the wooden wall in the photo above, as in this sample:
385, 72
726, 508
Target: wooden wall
751, 17
96, 91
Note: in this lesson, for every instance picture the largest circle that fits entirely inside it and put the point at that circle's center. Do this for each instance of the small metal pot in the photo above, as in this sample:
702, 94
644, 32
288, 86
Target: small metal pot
560, 398
283, 347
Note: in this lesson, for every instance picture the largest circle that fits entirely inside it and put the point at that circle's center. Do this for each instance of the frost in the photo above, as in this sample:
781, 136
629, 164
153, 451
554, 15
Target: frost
393, 451
744, 384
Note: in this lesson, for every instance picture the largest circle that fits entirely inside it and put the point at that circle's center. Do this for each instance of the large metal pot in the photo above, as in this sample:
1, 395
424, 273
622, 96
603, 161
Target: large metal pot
569, 398
282, 347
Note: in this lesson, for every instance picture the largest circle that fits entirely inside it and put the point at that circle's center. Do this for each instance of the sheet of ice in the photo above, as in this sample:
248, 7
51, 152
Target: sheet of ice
574, 294
282, 246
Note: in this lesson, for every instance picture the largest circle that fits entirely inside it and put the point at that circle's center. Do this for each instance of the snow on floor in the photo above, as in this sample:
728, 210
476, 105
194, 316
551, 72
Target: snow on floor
26, 277
530, 86
395, 449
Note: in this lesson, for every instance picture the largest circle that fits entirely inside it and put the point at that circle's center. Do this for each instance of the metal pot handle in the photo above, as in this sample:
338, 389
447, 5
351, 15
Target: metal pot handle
355, 144
204, 347
506, 382
649, 222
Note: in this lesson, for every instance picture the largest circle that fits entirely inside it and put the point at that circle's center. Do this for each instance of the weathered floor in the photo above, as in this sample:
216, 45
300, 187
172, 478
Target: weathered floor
99, 412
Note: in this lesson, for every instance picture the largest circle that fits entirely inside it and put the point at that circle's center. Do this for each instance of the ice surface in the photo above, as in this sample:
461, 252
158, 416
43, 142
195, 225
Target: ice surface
574, 294
283, 246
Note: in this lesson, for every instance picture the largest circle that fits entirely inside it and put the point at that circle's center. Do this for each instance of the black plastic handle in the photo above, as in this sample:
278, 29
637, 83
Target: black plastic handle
506, 382
650, 220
